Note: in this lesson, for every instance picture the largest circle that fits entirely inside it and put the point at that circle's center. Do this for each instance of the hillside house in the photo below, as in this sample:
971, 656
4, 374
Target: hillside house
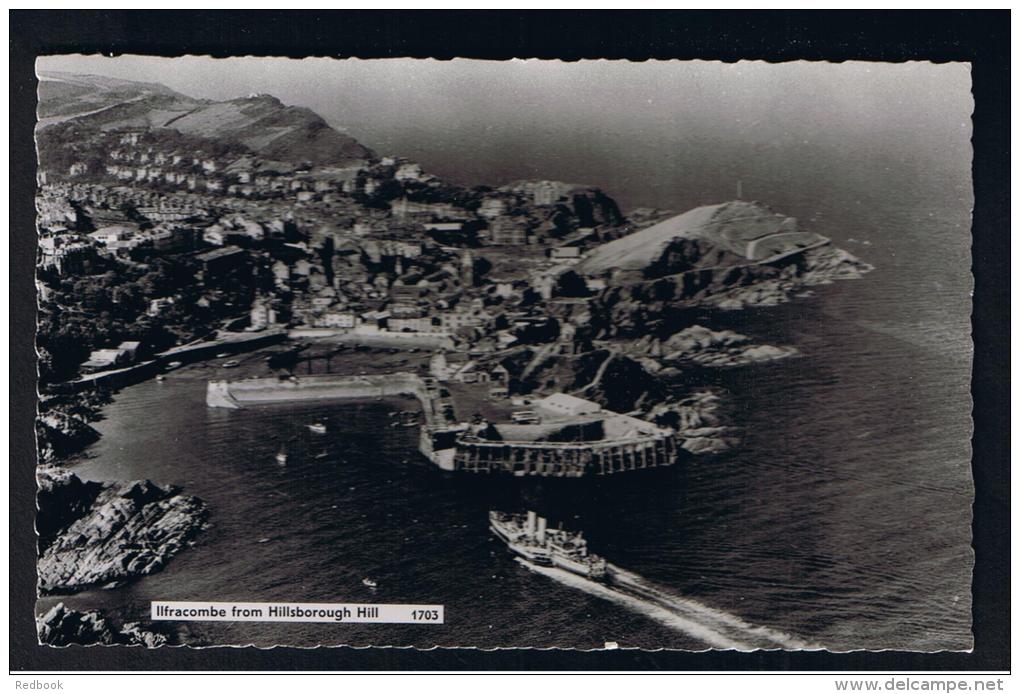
508, 231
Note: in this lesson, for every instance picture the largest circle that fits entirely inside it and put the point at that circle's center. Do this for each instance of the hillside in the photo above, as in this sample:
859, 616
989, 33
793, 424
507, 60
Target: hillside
261, 123
64, 95
721, 235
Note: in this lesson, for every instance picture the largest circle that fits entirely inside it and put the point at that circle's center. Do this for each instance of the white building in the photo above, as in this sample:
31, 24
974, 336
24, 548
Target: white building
408, 172
336, 320
262, 316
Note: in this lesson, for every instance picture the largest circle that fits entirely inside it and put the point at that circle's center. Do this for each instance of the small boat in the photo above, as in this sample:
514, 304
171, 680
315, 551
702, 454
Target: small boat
369, 582
174, 365
317, 427
160, 377
281, 456
223, 355
231, 364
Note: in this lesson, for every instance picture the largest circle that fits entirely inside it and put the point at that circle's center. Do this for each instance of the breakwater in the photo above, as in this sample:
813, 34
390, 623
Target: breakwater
255, 391
567, 459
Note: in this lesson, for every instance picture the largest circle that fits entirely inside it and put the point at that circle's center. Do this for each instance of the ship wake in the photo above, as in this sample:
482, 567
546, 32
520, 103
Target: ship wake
713, 627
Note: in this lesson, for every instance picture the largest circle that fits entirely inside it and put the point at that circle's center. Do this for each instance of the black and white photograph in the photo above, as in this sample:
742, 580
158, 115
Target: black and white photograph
602, 354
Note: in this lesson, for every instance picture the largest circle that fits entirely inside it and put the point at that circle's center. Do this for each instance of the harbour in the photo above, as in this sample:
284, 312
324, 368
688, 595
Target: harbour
718, 534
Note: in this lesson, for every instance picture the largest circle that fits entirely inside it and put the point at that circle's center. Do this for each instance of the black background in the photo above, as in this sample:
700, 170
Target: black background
981, 38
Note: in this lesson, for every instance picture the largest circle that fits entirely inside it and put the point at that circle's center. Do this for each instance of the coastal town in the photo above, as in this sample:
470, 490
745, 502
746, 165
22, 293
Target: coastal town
537, 330
368, 249
157, 247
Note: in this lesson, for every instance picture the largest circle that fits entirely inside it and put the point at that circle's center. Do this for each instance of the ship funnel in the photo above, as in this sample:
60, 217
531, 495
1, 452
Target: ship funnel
541, 529
531, 523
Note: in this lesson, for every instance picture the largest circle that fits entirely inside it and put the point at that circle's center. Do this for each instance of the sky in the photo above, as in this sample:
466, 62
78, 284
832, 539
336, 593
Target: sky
617, 121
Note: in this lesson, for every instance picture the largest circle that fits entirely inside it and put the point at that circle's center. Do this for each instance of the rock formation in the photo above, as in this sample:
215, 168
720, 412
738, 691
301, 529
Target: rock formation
93, 534
698, 421
705, 347
634, 308
61, 626
60, 434
615, 381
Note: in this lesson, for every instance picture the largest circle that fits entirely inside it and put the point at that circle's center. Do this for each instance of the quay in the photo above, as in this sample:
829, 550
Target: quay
576, 437
224, 341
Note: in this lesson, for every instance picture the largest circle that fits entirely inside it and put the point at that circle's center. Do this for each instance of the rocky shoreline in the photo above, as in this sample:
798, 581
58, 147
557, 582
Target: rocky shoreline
631, 307
61, 626
819, 266
699, 420
63, 425
709, 348
105, 534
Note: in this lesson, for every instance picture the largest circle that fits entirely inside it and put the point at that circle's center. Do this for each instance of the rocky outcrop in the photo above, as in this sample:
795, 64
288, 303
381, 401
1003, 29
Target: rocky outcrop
698, 420
61, 626
63, 423
819, 266
617, 382
589, 206
60, 434
94, 534
634, 308
705, 347
62, 499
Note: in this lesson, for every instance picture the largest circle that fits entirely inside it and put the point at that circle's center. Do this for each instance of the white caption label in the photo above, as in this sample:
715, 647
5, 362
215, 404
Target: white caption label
296, 612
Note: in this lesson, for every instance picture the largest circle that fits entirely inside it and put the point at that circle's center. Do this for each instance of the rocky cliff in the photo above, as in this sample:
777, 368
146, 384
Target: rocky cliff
634, 308
93, 534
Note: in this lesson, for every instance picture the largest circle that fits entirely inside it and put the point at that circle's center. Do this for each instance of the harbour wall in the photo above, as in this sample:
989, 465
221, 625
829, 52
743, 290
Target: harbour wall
454, 446
431, 341
256, 391
136, 373
553, 459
